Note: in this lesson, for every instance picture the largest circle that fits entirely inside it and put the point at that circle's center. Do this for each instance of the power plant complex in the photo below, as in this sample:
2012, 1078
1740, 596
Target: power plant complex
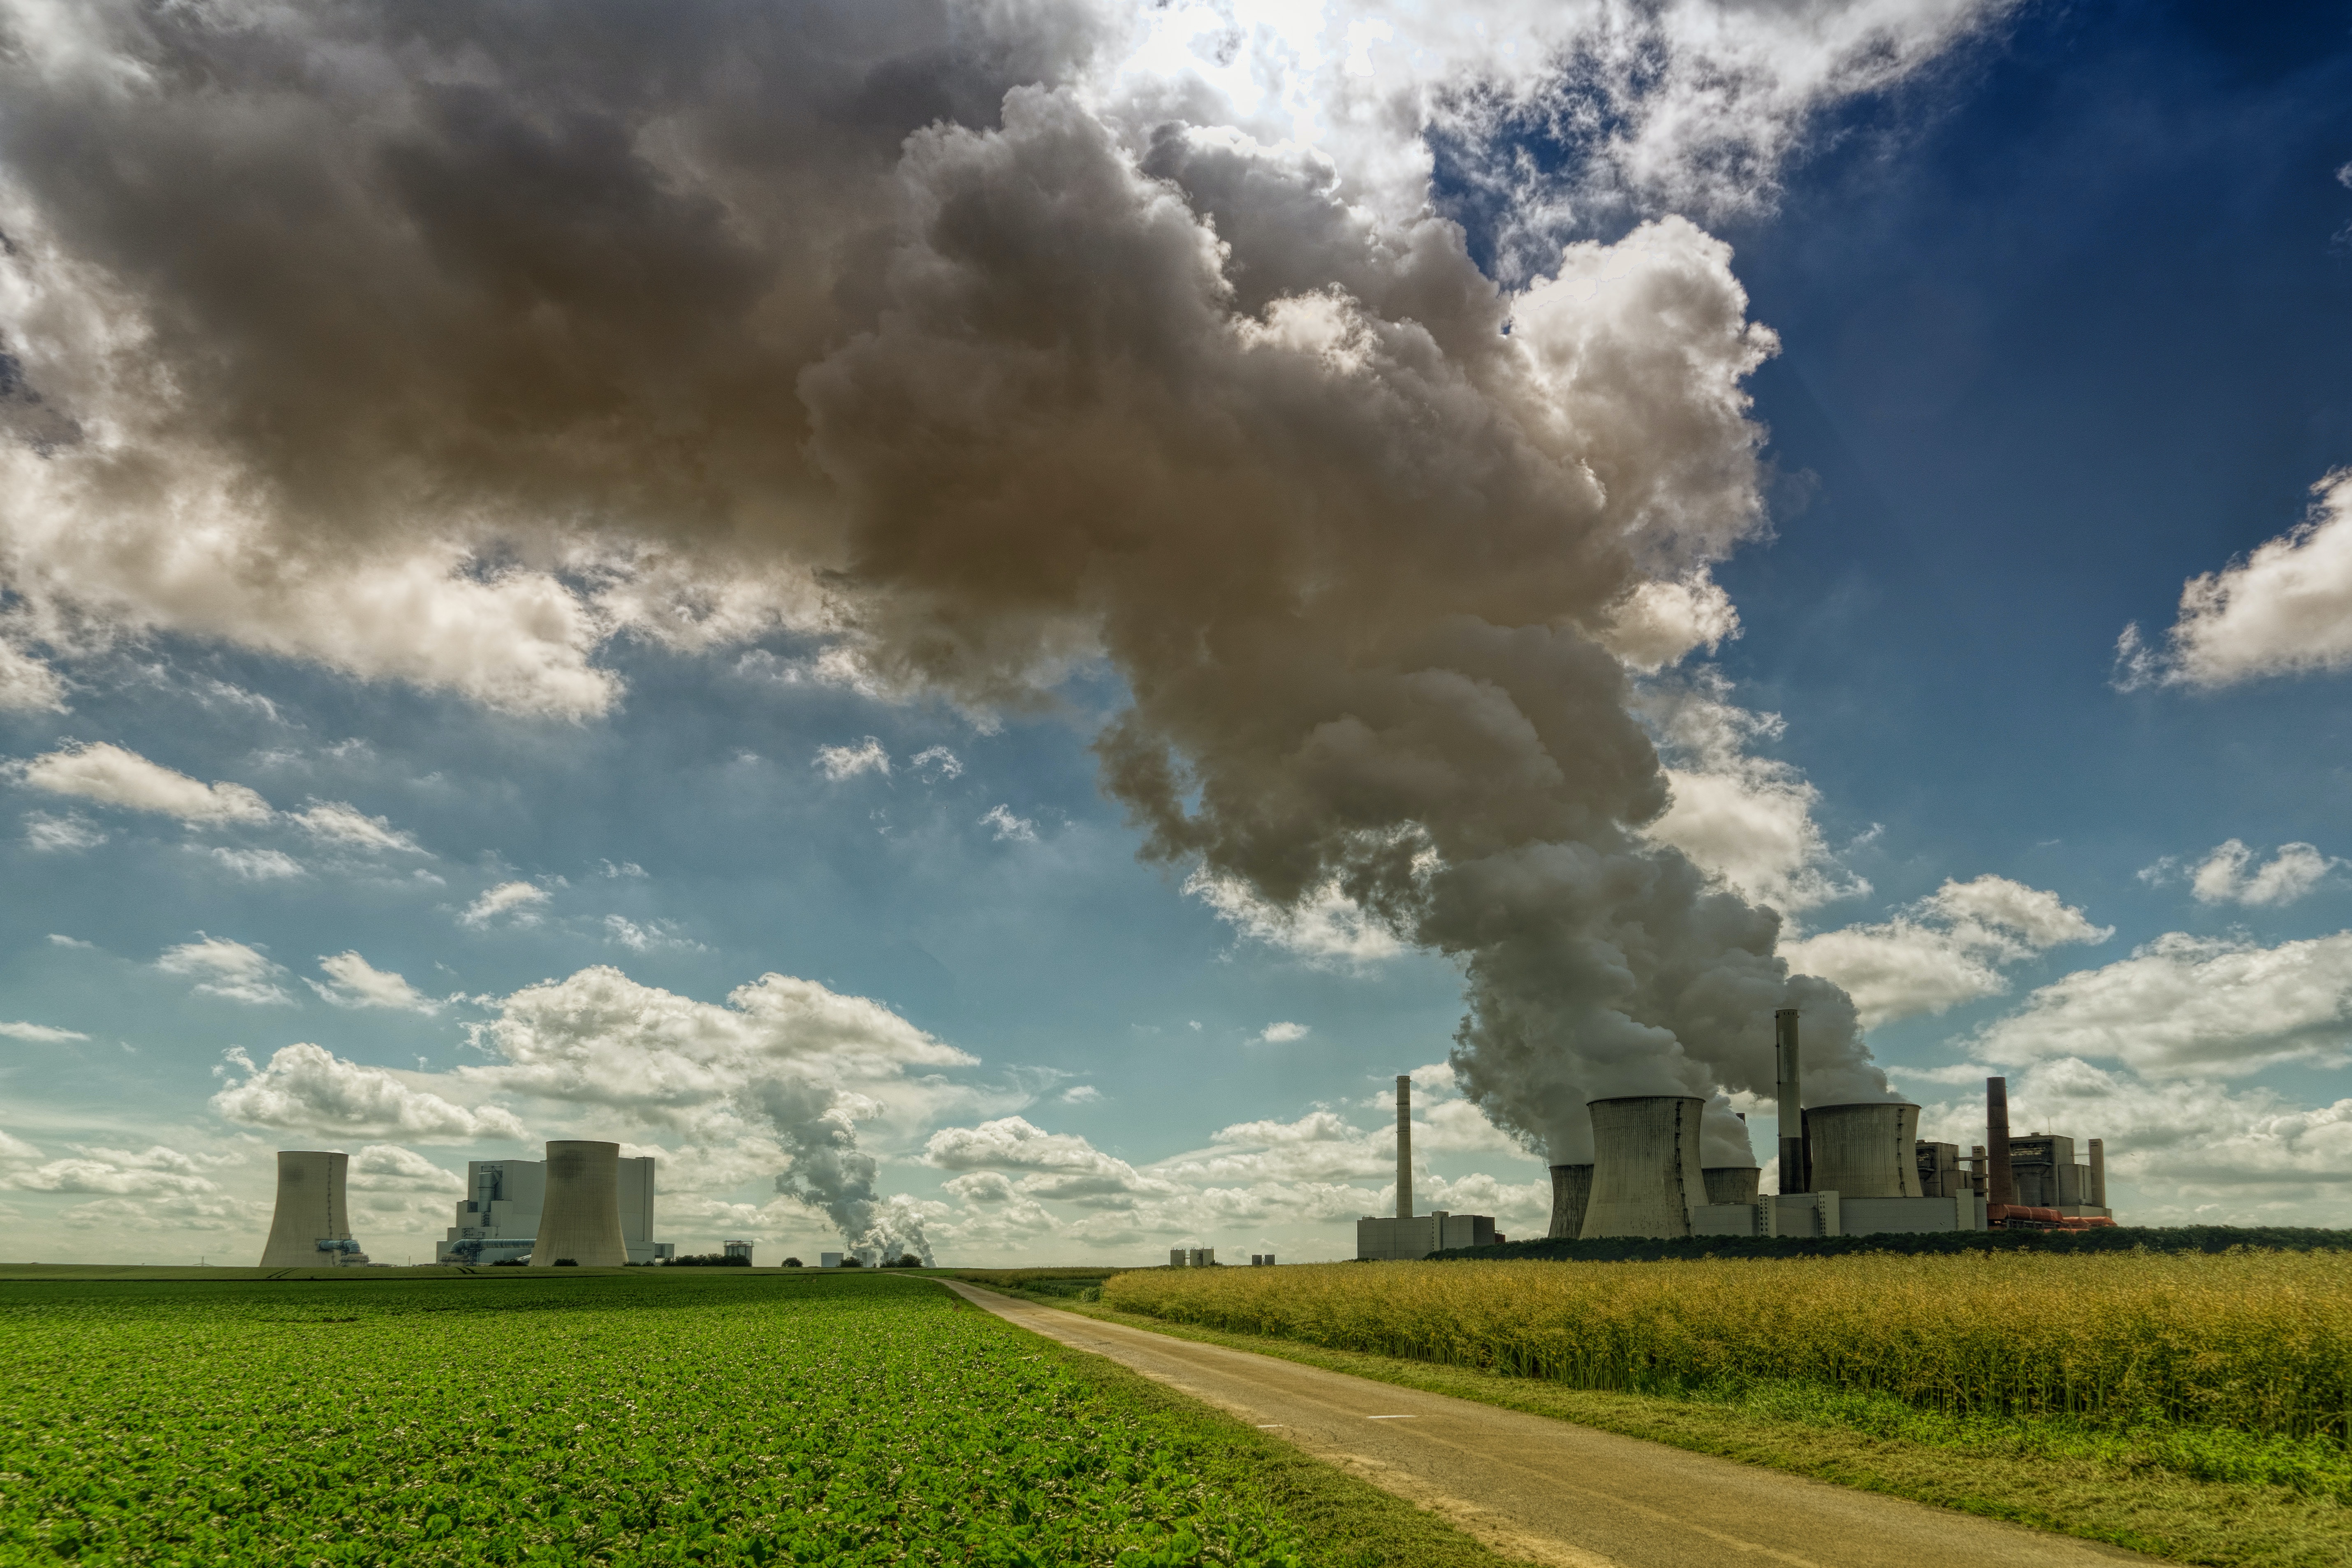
1845, 1170
582, 1206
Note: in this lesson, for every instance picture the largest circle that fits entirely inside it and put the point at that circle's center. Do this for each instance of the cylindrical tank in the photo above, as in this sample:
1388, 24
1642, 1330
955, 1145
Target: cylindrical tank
1645, 1171
1730, 1183
309, 1209
2000, 1181
580, 1219
2098, 1173
1865, 1151
1571, 1189
1789, 1084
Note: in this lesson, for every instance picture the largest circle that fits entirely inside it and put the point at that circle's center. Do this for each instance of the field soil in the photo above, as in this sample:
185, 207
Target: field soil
1550, 1492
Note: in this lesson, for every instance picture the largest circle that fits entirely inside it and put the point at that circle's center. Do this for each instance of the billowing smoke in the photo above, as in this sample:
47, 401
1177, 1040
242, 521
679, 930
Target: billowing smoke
973, 340
828, 1172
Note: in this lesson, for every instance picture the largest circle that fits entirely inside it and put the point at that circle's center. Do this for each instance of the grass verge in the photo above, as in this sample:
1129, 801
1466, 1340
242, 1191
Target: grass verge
2192, 1497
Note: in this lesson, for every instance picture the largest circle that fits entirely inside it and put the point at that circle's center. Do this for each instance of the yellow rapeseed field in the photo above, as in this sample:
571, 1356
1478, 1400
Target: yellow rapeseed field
2259, 1341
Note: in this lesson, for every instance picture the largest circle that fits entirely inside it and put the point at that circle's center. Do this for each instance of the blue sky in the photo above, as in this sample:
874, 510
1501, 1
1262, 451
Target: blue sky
2061, 310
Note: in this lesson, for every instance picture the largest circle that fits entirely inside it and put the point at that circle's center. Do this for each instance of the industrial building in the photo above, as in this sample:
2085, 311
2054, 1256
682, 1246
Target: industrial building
499, 1218
1410, 1236
310, 1227
1192, 1258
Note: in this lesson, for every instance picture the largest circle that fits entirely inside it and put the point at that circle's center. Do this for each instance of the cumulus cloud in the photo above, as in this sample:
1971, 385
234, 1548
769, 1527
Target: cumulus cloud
256, 865
40, 1034
27, 684
1282, 1034
2230, 874
519, 903
652, 937
1056, 1166
338, 823
839, 763
2285, 609
2190, 1006
113, 776
48, 834
353, 982
228, 969
1009, 827
389, 1168
936, 764
1948, 948
305, 1088
1324, 926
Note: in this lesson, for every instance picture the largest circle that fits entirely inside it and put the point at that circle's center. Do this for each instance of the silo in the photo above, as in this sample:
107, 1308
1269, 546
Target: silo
1865, 1151
1730, 1183
310, 1210
580, 1218
1645, 1171
1571, 1188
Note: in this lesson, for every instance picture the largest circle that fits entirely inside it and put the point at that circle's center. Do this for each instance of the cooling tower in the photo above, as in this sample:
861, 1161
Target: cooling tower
581, 1217
310, 1210
1865, 1151
1404, 1147
1730, 1183
1789, 1085
2000, 1181
1571, 1188
1645, 1172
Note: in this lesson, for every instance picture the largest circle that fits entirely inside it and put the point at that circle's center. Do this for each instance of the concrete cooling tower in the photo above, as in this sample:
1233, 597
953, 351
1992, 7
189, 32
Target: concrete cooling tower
580, 1218
1571, 1189
1865, 1151
1731, 1183
309, 1228
1645, 1169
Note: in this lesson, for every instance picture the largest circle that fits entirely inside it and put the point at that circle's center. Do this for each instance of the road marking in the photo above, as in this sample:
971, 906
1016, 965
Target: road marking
1392, 1417
1270, 1425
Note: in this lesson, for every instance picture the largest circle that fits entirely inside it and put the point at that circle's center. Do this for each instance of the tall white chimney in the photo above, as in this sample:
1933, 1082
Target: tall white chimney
1404, 1146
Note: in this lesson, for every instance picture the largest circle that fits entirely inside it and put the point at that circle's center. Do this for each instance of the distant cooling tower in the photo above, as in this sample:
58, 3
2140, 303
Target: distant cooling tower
1731, 1183
1865, 1151
310, 1211
1571, 1189
1645, 1169
581, 1217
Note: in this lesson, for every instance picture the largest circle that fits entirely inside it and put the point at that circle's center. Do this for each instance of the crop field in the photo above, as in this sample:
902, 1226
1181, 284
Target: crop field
2256, 1342
623, 1418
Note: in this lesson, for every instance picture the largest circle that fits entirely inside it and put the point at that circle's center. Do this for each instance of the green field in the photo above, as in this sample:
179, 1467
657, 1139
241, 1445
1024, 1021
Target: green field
645, 1417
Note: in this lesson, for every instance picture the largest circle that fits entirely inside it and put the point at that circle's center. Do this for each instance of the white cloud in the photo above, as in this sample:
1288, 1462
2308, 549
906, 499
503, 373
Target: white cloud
839, 763
1746, 818
1017, 829
229, 969
2229, 875
60, 940
935, 764
113, 776
1659, 623
336, 822
1326, 929
2187, 1005
1060, 1166
307, 1088
257, 865
352, 982
16, 1151
48, 834
660, 934
626, 869
156, 1169
27, 684
1282, 1034
519, 900
1080, 1094
1948, 948
2285, 609
40, 1034
388, 1167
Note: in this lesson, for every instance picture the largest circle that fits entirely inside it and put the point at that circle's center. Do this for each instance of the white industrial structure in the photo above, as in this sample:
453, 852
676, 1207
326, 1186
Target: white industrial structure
1410, 1236
1645, 1169
499, 1218
310, 1227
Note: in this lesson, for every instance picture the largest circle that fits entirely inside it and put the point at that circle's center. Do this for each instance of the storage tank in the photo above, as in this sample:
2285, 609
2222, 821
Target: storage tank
1865, 1151
580, 1218
1645, 1171
1571, 1188
1731, 1183
310, 1211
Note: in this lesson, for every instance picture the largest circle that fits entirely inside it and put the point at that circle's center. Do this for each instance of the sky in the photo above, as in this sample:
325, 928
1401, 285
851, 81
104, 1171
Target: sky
974, 625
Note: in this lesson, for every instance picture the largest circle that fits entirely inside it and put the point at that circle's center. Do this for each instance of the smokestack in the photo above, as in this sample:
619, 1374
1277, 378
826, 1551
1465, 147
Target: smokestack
1789, 1076
1571, 1189
580, 1219
2098, 1173
1404, 1147
310, 1210
2000, 1186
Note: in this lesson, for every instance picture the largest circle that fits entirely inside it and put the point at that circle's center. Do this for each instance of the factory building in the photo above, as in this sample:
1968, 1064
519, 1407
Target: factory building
310, 1227
1409, 1236
1192, 1258
499, 1218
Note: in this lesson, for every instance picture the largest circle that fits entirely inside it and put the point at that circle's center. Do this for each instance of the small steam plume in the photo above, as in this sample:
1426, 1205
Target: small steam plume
828, 1172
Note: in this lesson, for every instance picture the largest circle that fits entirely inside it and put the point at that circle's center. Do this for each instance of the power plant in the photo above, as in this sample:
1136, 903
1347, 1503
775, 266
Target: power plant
500, 1217
1409, 1236
1645, 1169
309, 1228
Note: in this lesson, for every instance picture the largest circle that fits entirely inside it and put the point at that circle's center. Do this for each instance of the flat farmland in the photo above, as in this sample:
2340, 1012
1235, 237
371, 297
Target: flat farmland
617, 1418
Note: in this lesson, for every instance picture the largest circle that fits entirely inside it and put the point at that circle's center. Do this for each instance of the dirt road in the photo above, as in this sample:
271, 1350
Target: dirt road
1549, 1491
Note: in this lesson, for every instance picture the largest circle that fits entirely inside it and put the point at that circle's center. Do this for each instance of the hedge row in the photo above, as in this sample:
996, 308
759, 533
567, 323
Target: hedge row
2119, 1238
